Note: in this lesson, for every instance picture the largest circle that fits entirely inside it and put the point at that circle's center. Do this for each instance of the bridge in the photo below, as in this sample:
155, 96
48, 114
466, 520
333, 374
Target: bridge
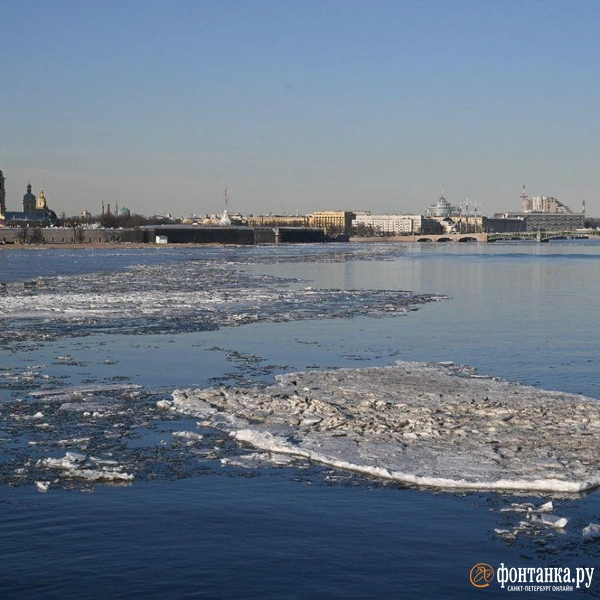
536, 236
451, 237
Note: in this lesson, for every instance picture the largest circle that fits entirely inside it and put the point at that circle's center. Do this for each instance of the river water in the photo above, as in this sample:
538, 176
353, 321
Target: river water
196, 523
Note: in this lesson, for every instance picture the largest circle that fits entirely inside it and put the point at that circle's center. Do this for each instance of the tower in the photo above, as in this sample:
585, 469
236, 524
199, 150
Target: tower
29, 201
225, 220
41, 202
2, 196
526, 203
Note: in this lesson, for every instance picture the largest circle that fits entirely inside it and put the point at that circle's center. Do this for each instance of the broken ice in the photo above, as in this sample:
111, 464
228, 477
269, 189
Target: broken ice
417, 423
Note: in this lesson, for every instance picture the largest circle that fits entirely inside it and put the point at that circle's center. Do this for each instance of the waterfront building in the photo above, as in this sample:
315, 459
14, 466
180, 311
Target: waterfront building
442, 209
277, 221
504, 225
389, 224
35, 212
547, 221
332, 220
546, 204
32, 205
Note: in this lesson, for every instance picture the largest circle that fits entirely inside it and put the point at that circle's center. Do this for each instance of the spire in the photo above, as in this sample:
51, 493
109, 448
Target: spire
41, 201
225, 220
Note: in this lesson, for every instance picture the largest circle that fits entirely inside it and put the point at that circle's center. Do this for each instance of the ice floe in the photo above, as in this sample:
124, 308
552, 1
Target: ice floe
188, 435
196, 296
42, 486
536, 519
439, 425
591, 532
552, 521
78, 466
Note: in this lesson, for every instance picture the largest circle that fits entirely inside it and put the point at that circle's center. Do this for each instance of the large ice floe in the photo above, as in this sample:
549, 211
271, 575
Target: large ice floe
423, 424
190, 296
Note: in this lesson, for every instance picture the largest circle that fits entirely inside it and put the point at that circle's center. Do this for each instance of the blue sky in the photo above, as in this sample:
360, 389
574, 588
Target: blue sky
299, 105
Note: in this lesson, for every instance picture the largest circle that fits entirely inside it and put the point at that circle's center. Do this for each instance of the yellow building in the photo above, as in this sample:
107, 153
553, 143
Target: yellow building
277, 221
332, 220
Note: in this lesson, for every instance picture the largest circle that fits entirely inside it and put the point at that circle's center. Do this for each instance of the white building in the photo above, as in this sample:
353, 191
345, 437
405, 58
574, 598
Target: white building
390, 224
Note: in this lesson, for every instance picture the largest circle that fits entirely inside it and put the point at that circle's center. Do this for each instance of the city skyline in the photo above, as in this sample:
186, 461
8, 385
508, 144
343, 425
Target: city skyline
299, 107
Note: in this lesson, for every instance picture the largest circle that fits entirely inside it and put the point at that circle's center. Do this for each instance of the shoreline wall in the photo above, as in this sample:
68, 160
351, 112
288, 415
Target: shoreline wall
175, 234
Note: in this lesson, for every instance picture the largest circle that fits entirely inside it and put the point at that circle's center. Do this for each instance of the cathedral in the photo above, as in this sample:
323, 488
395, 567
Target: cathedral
34, 206
35, 210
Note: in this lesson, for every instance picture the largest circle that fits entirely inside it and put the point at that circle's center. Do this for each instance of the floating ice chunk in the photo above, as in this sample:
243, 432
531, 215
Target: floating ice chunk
190, 435
591, 532
70, 441
103, 461
101, 475
42, 486
74, 467
164, 405
255, 460
552, 521
85, 389
267, 441
75, 457
528, 507
188, 404
38, 415
518, 507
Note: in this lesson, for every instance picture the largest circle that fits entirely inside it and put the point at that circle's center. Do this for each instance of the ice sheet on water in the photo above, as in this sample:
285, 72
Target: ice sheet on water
417, 423
61, 393
91, 422
193, 296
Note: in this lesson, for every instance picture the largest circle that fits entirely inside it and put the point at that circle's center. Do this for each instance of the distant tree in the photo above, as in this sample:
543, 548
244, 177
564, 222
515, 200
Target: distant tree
334, 230
362, 230
36, 236
130, 221
108, 221
23, 236
592, 222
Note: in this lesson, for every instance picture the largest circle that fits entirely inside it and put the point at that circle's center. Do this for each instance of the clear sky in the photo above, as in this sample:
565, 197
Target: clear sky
299, 105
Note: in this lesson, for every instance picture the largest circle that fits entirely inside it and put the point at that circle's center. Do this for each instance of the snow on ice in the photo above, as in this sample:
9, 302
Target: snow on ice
422, 424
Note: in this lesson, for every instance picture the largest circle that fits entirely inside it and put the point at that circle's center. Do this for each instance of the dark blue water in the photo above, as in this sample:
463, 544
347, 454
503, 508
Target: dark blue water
524, 312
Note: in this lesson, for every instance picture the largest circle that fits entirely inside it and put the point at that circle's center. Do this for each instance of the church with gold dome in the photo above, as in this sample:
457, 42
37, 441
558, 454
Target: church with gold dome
35, 211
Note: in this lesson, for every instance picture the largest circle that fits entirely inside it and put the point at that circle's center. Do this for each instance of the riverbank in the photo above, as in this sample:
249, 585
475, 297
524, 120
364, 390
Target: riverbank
97, 245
